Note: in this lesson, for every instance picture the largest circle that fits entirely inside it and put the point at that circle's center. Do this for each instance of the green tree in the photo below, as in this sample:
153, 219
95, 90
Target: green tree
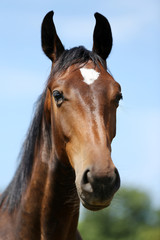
130, 217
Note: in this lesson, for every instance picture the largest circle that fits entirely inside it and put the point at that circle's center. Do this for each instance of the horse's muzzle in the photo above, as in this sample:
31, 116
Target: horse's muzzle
97, 191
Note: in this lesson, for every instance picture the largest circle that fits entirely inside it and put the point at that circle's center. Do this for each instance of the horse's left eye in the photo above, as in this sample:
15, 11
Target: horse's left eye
118, 98
58, 96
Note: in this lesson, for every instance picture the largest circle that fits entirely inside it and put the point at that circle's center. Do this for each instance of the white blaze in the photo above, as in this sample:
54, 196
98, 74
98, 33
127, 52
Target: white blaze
89, 75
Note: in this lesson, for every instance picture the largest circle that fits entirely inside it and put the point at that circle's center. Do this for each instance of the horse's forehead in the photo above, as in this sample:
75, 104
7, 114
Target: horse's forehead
84, 78
86, 74
89, 75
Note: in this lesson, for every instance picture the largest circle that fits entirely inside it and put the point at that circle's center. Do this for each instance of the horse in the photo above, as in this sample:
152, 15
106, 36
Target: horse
66, 157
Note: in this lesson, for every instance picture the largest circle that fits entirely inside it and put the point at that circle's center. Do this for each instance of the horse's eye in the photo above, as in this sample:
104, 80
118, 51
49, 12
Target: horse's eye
58, 96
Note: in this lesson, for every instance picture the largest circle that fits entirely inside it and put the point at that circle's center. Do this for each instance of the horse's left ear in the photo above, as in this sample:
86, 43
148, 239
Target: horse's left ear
51, 43
102, 36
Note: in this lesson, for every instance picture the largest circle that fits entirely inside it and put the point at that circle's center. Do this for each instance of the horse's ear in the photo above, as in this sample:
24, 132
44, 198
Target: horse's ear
51, 43
102, 37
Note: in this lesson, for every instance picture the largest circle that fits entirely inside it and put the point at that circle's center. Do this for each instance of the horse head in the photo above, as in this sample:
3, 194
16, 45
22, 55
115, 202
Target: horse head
80, 106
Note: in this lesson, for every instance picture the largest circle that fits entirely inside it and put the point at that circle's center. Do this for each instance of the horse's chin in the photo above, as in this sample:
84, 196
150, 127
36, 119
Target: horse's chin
94, 207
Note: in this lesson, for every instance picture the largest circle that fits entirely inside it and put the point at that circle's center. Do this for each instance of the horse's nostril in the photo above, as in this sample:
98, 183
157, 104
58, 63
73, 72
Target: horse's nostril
117, 179
86, 181
85, 177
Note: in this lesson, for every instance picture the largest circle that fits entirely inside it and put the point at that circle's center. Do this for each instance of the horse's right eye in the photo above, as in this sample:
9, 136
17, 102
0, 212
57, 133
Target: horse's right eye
58, 96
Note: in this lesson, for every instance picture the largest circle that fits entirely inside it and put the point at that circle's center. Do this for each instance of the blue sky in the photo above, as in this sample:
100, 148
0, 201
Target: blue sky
134, 63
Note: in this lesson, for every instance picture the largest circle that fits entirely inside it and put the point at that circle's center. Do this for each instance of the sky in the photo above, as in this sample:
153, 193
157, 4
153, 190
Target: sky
134, 62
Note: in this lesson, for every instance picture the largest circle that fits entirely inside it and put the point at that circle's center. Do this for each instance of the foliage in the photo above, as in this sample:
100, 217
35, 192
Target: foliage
130, 217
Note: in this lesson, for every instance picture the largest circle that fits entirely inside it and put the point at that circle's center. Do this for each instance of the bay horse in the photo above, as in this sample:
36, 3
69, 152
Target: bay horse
66, 157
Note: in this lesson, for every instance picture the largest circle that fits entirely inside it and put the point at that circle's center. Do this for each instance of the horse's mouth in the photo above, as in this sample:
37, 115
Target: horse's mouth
94, 207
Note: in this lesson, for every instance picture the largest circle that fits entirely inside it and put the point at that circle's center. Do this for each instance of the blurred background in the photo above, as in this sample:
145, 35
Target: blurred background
135, 64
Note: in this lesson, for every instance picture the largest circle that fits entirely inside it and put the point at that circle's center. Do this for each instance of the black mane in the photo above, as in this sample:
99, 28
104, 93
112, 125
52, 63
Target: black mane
78, 55
13, 193
11, 197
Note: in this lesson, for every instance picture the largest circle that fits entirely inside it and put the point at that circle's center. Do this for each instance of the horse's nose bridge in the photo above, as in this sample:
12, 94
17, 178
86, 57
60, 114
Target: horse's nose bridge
90, 118
95, 128
98, 129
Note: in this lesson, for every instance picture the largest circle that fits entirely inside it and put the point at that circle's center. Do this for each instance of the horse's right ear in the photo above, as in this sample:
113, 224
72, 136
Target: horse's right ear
51, 43
102, 37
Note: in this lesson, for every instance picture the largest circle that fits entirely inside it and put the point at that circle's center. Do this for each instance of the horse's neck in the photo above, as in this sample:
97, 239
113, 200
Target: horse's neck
60, 205
50, 204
